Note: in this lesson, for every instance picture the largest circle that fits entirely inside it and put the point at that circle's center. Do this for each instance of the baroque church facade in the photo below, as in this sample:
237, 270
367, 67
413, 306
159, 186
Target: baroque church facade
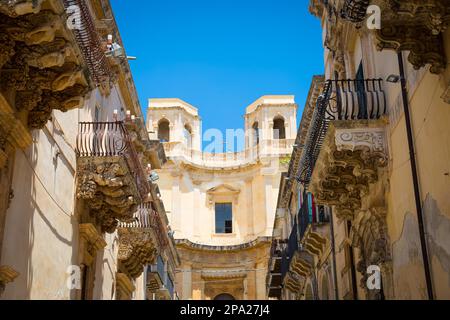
221, 205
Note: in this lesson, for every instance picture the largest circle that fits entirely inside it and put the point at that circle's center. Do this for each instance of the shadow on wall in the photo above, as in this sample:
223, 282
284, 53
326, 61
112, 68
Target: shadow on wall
20, 230
438, 229
408, 268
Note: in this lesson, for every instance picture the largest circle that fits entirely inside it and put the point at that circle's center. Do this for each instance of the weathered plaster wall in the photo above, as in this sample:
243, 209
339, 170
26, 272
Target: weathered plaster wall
42, 220
430, 118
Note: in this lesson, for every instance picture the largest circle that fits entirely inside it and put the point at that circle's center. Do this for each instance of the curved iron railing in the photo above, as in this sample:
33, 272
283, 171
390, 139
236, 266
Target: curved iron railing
348, 99
102, 139
160, 230
107, 139
355, 10
90, 43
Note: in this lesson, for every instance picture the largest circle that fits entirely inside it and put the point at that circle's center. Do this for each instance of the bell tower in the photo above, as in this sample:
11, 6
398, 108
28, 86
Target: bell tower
174, 121
271, 119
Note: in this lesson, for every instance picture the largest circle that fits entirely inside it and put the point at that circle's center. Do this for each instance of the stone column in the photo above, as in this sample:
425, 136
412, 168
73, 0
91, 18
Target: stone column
249, 200
176, 203
187, 282
260, 281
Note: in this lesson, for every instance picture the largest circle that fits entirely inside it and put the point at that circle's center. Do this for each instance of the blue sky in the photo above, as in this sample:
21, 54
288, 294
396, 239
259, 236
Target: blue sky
220, 55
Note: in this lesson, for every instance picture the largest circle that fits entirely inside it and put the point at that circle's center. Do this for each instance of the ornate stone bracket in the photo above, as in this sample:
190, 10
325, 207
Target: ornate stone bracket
92, 241
416, 26
40, 61
302, 263
137, 248
124, 287
347, 165
108, 189
369, 234
293, 282
7, 275
314, 243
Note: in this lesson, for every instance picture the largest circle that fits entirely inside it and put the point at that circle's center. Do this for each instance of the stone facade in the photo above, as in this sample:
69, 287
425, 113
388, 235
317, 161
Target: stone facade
356, 159
193, 181
76, 202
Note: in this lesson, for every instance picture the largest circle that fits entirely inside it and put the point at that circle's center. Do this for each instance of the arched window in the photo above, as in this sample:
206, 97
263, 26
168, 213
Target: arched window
163, 130
224, 296
279, 131
255, 132
187, 131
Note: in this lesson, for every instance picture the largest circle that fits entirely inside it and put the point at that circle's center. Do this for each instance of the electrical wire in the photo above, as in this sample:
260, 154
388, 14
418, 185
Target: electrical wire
43, 185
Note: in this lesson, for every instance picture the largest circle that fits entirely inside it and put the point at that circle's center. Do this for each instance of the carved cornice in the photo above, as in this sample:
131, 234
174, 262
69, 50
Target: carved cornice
108, 188
137, 248
226, 275
7, 275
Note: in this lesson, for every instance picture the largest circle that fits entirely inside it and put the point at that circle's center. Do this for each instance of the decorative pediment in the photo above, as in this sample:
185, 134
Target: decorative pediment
223, 191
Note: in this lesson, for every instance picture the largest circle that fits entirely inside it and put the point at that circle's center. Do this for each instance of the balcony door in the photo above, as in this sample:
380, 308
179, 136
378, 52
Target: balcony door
361, 93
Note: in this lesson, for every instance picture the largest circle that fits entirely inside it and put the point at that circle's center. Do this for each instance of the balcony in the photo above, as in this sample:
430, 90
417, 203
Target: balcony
156, 275
167, 291
159, 282
138, 242
345, 101
274, 276
296, 264
111, 179
414, 26
355, 10
346, 144
313, 229
229, 160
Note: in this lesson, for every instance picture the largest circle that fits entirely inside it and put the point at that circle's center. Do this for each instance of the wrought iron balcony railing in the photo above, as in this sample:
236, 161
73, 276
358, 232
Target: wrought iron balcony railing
111, 139
355, 10
292, 247
361, 99
159, 228
170, 286
156, 275
90, 43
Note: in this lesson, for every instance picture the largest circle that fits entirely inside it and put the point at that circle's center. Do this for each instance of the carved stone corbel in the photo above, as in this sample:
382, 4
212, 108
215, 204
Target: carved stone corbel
7, 275
109, 190
91, 242
347, 165
137, 248
14, 8
124, 287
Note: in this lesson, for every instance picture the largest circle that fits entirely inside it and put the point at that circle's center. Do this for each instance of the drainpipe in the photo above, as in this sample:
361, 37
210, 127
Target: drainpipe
412, 156
333, 252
